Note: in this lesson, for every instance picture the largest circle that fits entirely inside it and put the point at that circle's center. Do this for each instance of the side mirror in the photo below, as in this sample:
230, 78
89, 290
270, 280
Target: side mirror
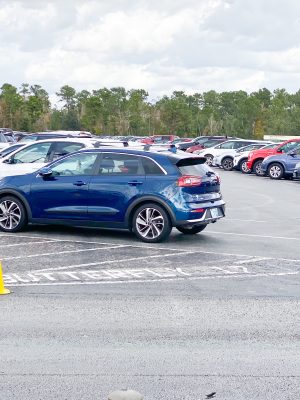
45, 172
9, 160
292, 153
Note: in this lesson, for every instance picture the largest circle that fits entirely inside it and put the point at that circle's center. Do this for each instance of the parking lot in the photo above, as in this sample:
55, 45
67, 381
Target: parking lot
94, 310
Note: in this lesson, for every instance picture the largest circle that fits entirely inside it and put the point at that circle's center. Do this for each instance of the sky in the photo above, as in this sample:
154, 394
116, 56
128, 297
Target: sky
157, 45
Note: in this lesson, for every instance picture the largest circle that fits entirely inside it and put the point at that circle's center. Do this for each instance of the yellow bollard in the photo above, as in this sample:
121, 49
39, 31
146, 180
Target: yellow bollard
3, 290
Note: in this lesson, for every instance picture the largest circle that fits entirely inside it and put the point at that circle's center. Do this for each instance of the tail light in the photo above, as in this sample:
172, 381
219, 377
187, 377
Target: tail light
189, 180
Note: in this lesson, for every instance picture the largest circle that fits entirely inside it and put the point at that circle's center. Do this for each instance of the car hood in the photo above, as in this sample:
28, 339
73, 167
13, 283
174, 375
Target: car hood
18, 169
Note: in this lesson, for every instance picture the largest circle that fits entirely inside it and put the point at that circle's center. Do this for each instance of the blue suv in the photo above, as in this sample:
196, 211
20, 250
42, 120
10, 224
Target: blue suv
281, 165
143, 191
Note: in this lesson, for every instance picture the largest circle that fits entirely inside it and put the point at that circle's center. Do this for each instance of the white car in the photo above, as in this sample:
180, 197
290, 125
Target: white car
211, 152
35, 155
241, 157
226, 158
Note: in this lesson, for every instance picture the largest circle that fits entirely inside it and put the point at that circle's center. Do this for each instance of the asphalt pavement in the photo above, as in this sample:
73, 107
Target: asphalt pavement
93, 310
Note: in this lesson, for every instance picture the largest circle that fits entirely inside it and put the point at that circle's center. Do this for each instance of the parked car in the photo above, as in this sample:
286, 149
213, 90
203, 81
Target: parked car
4, 142
54, 135
35, 155
219, 149
159, 139
241, 156
256, 157
199, 141
145, 192
9, 149
296, 172
225, 159
281, 165
205, 145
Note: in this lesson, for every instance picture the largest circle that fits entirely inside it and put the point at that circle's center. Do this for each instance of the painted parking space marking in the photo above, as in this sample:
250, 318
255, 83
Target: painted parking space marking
64, 252
128, 276
130, 270
68, 261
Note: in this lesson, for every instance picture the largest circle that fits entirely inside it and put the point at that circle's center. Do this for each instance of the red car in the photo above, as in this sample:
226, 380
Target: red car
158, 139
256, 157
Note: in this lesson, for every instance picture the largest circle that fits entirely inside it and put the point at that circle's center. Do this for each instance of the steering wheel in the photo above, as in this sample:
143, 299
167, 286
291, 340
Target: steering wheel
68, 172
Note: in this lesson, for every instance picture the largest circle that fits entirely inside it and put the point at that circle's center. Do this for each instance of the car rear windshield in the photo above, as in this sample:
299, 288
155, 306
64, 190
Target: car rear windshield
193, 166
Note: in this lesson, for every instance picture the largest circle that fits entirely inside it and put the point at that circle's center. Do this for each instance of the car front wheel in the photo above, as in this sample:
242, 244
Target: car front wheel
227, 164
191, 230
209, 159
243, 167
151, 223
13, 216
275, 171
257, 168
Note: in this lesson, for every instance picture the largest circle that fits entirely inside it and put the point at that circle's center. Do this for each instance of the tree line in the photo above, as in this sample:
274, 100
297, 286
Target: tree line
118, 111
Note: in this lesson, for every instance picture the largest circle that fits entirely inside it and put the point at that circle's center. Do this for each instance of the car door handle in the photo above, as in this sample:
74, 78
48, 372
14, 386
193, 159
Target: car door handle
134, 183
79, 183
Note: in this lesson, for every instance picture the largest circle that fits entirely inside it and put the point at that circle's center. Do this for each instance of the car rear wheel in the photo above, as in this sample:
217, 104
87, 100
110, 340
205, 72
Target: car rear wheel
243, 167
257, 168
151, 223
191, 230
275, 171
209, 159
227, 163
13, 216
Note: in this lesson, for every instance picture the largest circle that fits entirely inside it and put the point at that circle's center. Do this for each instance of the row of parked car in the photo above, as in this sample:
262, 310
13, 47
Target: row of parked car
102, 182
275, 160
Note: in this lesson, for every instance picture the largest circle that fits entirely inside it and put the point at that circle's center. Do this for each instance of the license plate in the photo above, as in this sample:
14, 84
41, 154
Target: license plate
215, 212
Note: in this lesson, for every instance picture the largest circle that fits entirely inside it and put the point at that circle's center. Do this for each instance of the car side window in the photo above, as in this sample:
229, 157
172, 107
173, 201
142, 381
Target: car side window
34, 153
120, 164
297, 151
227, 145
150, 167
61, 149
288, 147
78, 164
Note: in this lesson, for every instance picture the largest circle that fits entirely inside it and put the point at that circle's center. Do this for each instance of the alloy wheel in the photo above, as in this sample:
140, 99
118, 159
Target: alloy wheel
209, 159
244, 167
227, 164
150, 223
275, 172
10, 215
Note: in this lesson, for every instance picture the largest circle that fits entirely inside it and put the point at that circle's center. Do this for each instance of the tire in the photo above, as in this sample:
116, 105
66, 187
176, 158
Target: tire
209, 159
275, 171
192, 230
243, 167
151, 223
13, 216
257, 168
227, 163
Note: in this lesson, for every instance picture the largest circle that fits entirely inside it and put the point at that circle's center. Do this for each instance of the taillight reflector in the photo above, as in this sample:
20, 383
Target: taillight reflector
188, 181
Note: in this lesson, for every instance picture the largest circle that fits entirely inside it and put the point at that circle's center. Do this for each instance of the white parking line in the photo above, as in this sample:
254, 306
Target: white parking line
156, 247
252, 235
25, 244
64, 252
112, 261
156, 280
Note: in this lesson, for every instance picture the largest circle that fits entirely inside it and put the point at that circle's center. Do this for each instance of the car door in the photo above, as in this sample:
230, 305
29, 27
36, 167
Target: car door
119, 179
293, 159
63, 193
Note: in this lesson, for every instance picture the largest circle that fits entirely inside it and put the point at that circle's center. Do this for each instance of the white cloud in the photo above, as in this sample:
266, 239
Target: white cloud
161, 46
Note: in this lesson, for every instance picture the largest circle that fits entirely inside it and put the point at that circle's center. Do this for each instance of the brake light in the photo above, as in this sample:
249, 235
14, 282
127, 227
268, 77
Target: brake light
189, 180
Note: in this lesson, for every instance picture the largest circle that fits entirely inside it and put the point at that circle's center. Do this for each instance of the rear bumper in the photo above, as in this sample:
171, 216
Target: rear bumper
207, 217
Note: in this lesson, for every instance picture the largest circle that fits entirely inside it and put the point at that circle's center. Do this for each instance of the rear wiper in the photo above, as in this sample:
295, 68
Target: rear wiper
210, 173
